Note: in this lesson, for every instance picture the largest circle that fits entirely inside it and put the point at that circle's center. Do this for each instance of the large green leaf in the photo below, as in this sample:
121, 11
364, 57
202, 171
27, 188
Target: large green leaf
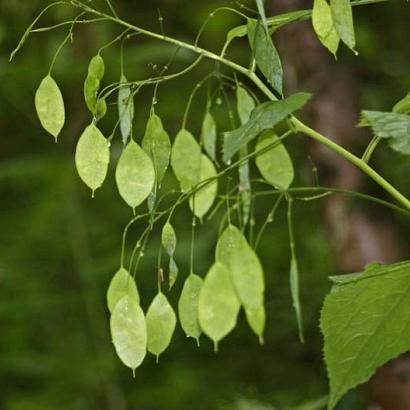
323, 25
392, 125
365, 322
264, 116
403, 106
343, 21
265, 53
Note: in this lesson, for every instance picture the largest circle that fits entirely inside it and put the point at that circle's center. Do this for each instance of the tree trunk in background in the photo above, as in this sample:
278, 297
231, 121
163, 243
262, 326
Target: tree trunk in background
357, 238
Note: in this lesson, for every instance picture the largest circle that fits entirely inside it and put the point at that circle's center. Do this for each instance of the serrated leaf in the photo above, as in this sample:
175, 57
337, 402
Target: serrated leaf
129, 332
125, 109
403, 106
392, 125
161, 321
122, 284
135, 175
243, 264
188, 306
265, 53
169, 239
275, 165
203, 199
257, 319
218, 305
343, 21
186, 160
92, 156
157, 145
208, 135
364, 323
264, 116
322, 21
50, 106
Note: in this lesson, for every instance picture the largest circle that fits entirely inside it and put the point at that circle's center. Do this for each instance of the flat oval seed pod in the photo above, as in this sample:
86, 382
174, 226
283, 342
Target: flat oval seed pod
169, 239
275, 165
157, 145
129, 332
91, 86
257, 319
218, 304
96, 68
135, 175
202, 200
186, 160
92, 156
50, 106
122, 284
208, 134
161, 321
243, 264
125, 109
188, 306
245, 104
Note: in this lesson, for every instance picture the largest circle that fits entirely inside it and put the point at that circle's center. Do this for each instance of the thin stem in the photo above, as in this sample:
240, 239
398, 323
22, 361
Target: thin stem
112, 8
370, 149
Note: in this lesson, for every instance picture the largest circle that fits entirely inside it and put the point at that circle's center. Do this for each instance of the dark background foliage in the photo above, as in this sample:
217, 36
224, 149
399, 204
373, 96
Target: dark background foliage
59, 248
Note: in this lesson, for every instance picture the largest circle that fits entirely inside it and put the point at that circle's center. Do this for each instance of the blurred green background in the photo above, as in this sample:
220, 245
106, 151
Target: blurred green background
59, 248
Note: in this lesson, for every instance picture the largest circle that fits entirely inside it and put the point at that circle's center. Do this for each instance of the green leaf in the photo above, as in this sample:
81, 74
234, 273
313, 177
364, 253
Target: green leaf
236, 32
218, 305
157, 145
173, 272
275, 165
125, 109
208, 134
322, 21
257, 319
264, 116
92, 156
186, 160
161, 323
266, 55
392, 125
245, 104
246, 272
188, 306
343, 21
50, 106
135, 175
122, 284
202, 200
129, 332
169, 239
403, 106
364, 323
